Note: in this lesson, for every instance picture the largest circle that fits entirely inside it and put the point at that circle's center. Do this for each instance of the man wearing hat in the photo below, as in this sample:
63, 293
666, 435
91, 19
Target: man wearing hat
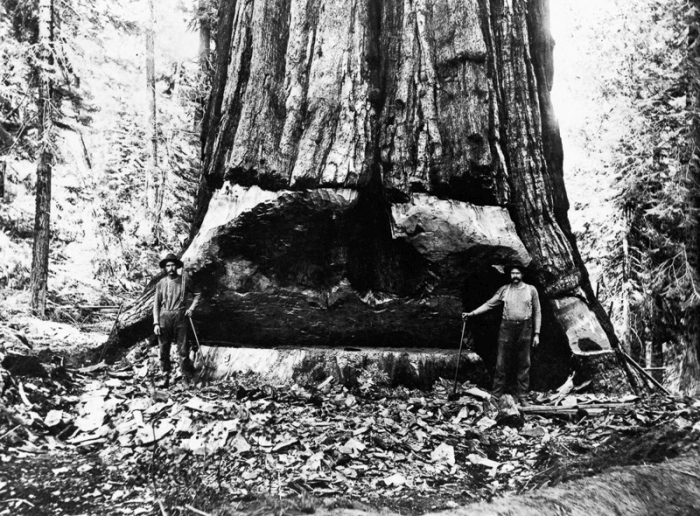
520, 328
170, 317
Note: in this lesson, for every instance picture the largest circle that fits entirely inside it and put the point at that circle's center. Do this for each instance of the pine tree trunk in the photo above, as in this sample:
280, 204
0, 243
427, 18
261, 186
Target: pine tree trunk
152, 179
684, 374
204, 36
366, 164
204, 53
42, 217
208, 183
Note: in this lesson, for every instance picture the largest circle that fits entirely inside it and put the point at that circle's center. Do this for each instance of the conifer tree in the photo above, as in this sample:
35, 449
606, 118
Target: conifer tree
42, 218
153, 182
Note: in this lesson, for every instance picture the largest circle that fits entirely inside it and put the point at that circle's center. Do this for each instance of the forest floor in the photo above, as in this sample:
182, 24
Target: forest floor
80, 437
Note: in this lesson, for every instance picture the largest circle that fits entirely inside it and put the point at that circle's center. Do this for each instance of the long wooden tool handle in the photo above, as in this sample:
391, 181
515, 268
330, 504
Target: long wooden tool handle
195, 333
459, 356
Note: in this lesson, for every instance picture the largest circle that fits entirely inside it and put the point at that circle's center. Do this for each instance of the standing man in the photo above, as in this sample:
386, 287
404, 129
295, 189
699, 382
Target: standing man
521, 315
170, 317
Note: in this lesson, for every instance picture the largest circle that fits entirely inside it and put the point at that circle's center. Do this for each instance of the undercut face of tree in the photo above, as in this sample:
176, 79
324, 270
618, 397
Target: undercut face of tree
369, 166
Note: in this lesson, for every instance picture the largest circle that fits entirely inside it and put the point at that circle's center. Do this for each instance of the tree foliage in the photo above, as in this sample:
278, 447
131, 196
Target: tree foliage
102, 130
656, 191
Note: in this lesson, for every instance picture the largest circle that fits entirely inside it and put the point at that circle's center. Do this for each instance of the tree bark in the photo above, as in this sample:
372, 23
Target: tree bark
3, 169
684, 374
152, 179
406, 119
204, 55
204, 36
42, 217
209, 183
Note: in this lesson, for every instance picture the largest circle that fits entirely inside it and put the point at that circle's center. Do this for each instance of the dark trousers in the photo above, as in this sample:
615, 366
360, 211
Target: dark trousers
173, 329
514, 341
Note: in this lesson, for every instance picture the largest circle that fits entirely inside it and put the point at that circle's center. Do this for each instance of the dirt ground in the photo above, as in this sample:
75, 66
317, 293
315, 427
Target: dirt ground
76, 483
670, 489
65, 470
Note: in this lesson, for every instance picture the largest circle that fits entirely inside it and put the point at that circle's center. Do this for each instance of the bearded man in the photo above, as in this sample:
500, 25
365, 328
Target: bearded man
521, 315
170, 317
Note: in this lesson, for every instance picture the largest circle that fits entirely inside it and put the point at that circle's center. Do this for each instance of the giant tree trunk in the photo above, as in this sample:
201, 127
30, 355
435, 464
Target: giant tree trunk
368, 163
42, 216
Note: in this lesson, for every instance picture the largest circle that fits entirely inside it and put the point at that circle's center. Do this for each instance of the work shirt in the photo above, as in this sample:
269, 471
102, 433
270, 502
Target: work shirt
519, 304
171, 296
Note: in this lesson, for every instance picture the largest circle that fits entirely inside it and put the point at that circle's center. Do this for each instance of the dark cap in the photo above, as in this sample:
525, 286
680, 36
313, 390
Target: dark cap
514, 265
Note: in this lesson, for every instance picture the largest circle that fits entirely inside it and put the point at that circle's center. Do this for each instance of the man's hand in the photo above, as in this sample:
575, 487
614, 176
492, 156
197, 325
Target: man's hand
466, 315
189, 312
535, 341
156, 329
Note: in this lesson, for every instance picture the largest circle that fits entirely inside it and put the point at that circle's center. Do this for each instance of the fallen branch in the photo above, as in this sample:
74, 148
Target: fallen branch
162, 508
590, 409
618, 405
645, 374
560, 411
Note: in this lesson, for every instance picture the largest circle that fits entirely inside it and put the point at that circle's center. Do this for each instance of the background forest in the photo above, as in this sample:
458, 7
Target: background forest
620, 85
102, 142
102, 109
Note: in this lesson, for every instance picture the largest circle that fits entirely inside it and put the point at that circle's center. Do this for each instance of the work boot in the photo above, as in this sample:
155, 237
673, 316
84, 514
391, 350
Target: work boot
187, 370
165, 382
186, 367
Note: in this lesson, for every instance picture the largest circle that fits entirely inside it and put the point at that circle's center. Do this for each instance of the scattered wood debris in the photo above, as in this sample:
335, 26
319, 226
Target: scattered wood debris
250, 439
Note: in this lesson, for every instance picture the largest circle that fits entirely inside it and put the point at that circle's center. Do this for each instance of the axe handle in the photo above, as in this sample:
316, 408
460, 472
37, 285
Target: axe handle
459, 356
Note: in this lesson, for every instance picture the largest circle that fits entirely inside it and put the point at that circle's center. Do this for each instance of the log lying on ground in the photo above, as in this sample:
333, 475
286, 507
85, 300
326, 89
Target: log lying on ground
670, 489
